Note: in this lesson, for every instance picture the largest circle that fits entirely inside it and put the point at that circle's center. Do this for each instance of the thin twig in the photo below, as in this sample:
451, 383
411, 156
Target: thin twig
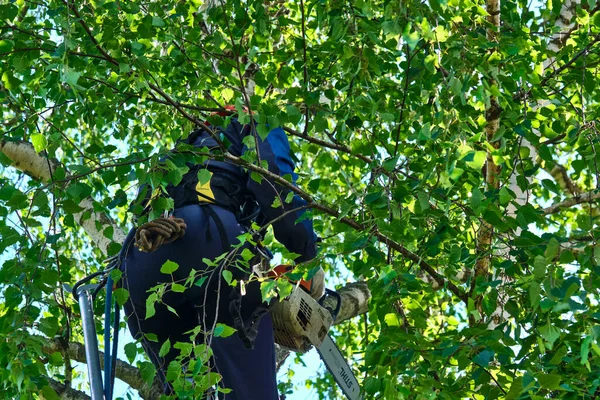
307, 110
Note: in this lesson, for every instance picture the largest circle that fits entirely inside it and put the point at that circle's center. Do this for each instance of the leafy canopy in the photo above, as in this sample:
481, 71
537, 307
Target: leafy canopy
385, 103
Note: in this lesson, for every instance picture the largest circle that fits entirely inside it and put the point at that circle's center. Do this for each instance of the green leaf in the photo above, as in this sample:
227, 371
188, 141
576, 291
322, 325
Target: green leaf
516, 388
200, 281
267, 290
71, 78
549, 381
121, 296
411, 38
477, 160
276, 202
228, 276
505, 196
557, 358
147, 371
585, 349
39, 142
156, 21
150, 310
8, 12
423, 200
6, 45
255, 176
10, 81
130, 351
484, 358
534, 294
204, 176
391, 319
372, 385
178, 288
49, 393
476, 199
390, 164
539, 267
169, 267
151, 337
550, 333
165, 348
175, 176
171, 309
552, 249
551, 186
49, 326
145, 29
222, 330
566, 257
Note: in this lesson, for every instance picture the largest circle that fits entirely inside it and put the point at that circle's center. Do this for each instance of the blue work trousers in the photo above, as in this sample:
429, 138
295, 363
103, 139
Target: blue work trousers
249, 372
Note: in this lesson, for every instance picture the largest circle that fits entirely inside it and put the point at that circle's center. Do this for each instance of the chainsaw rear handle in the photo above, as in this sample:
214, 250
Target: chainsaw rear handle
334, 312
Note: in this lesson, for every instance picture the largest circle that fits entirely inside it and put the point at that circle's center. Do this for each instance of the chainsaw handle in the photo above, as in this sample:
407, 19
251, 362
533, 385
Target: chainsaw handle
338, 305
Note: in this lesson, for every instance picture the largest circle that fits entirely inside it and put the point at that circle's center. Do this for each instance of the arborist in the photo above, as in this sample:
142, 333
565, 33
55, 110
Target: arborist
208, 219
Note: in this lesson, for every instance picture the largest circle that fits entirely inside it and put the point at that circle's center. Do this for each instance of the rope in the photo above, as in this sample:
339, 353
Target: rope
154, 234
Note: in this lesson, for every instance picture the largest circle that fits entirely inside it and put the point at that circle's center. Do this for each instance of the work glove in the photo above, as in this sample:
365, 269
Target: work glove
317, 287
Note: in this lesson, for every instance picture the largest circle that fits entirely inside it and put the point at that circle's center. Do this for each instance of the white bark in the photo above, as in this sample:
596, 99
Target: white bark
522, 196
25, 158
39, 167
87, 219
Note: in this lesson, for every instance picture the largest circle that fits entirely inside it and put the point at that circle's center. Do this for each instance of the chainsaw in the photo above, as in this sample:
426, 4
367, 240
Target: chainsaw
300, 322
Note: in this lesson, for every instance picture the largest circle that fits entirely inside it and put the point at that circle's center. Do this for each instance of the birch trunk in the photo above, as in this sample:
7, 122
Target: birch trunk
558, 40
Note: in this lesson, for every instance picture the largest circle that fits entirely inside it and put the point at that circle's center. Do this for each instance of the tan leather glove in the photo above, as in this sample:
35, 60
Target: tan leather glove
317, 287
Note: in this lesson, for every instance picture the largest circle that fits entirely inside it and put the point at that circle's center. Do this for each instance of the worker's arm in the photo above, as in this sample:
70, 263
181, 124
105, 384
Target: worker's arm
298, 237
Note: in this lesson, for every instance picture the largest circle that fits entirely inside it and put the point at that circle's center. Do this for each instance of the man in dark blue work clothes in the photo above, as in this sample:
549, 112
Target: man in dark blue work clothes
212, 213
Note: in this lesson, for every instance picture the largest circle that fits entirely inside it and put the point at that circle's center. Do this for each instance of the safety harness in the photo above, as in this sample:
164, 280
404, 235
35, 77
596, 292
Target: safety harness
223, 190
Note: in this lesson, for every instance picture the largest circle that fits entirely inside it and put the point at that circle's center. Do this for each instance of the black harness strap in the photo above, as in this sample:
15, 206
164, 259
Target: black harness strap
220, 226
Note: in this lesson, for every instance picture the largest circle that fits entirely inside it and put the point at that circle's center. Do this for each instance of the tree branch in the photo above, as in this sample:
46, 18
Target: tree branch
580, 199
124, 371
560, 175
352, 223
65, 392
82, 22
25, 158
333, 146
